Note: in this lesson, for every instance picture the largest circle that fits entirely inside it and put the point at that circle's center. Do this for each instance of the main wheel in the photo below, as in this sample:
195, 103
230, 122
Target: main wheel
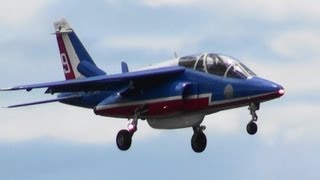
252, 128
124, 139
199, 142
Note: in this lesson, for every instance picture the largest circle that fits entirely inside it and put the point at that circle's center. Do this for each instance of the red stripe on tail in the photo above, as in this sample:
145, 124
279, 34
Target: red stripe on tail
66, 64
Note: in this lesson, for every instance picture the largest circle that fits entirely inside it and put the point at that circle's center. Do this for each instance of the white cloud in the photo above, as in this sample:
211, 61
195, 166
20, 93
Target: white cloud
274, 9
158, 3
297, 44
153, 43
297, 77
297, 63
19, 12
229, 122
277, 9
287, 123
63, 123
291, 123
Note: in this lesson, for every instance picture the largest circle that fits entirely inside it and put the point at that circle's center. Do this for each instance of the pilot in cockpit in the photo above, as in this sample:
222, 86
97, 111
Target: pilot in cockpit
215, 65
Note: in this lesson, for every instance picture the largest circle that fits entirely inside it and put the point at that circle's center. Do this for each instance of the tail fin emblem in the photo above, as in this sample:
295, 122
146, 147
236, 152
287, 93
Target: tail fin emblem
65, 64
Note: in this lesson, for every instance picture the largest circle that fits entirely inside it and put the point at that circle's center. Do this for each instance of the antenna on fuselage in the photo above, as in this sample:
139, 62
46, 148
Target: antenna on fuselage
175, 55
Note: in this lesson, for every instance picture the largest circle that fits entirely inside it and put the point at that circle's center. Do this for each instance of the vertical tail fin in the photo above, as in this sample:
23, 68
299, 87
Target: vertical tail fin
75, 59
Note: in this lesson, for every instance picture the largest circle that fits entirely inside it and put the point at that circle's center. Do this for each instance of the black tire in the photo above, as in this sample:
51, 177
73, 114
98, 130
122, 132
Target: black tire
124, 139
252, 128
199, 142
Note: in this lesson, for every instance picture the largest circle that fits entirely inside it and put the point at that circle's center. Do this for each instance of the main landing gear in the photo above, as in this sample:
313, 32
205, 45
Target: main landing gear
124, 136
199, 139
252, 127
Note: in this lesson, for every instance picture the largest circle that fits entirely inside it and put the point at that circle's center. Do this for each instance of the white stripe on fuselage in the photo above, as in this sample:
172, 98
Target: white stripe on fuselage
150, 101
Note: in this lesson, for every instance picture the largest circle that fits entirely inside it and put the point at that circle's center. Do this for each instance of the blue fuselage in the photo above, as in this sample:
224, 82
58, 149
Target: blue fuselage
191, 91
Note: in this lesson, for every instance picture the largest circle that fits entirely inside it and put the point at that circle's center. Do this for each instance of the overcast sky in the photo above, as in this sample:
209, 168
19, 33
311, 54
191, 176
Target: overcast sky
278, 39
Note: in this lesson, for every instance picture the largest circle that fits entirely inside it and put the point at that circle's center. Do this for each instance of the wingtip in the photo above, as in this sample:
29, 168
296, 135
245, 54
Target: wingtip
15, 88
5, 89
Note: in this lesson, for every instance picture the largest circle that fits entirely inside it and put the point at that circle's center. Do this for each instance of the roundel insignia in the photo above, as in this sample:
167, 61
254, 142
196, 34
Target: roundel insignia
228, 91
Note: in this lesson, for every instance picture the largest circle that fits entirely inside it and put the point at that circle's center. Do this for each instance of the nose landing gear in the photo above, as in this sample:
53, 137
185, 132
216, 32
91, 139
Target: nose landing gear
252, 127
124, 136
199, 139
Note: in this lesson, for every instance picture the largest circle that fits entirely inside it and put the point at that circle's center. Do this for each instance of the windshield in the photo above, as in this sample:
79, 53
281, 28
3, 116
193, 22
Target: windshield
216, 64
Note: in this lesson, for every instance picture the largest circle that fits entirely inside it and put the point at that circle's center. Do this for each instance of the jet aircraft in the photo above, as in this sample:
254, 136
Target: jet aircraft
174, 94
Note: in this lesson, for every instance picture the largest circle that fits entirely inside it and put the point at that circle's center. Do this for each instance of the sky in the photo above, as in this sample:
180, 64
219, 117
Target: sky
278, 39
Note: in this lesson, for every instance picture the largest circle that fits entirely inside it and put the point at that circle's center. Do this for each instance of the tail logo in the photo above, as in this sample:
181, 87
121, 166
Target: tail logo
65, 64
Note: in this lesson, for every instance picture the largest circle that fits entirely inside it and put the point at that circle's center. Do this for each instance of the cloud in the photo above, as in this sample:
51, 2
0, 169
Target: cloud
298, 78
278, 122
229, 122
152, 43
297, 45
159, 3
291, 124
276, 10
296, 61
19, 12
63, 123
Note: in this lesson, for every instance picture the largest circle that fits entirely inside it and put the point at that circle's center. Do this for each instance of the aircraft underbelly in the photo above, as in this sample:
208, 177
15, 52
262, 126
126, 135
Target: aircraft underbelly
176, 121
156, 108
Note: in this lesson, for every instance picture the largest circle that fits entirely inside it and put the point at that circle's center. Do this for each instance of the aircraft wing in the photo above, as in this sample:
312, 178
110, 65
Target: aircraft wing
101, 82
44, 101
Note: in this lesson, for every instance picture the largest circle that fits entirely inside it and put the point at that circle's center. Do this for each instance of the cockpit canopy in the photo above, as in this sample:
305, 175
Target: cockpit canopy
217, 64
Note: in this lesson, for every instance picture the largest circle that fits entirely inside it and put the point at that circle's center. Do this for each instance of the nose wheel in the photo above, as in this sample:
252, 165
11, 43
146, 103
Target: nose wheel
124, 136
252, 126
199, 139
124, 139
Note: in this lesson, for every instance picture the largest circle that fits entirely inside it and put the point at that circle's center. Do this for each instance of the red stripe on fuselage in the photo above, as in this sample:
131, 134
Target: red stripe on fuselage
67, 68
165, 108
157, 108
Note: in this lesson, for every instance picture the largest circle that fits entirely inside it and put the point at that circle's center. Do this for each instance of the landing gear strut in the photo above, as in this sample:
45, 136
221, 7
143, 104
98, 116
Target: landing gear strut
124, 136
252, 127
199, 139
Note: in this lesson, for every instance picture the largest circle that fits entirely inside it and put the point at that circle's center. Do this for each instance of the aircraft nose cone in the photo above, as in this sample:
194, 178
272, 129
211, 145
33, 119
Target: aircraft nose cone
264, 86
278, 90
273, 87
281, 91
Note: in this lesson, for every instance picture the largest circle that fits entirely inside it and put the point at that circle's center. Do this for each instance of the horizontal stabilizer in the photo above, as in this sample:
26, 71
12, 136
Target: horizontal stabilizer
89, 70
43, 102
